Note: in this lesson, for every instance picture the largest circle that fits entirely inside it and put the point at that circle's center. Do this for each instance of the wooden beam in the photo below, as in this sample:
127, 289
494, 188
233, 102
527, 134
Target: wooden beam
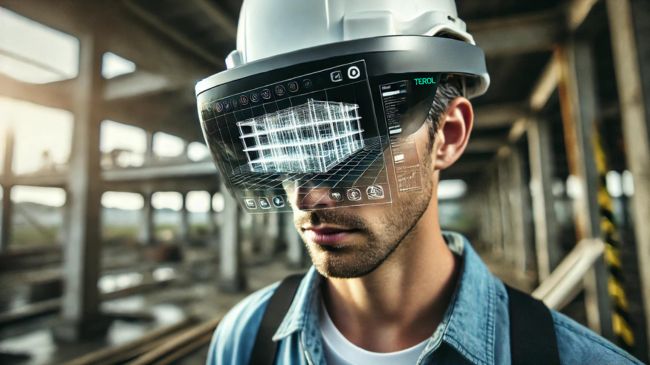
54, 95
138, 84
217, 16
518, 34
176, 36
630, 64
540, 152
148, 173
579, 105
121, 32
482, 145
500, 115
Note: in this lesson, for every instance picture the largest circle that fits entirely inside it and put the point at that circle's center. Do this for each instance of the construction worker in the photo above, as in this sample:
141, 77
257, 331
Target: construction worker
345, 113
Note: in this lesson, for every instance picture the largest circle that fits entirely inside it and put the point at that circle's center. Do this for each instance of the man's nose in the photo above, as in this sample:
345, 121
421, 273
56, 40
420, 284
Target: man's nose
310, 197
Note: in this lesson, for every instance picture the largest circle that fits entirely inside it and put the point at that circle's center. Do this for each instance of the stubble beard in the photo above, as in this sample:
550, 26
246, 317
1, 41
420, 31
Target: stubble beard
364, 256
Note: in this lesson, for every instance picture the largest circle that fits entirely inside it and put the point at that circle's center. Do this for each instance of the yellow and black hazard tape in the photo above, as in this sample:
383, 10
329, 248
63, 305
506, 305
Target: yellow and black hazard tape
621, 324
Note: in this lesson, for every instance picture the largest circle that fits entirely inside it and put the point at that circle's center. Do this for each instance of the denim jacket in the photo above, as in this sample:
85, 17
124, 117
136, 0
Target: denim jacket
474, 329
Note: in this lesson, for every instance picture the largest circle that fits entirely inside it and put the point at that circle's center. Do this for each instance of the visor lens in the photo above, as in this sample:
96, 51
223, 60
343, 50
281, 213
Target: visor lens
318, 139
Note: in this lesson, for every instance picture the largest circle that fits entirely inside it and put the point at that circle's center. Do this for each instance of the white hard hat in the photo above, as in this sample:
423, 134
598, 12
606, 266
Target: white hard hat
273, 27
318, 90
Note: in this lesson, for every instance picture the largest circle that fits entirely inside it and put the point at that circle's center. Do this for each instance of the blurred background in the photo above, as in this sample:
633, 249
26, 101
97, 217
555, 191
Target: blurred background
118, 242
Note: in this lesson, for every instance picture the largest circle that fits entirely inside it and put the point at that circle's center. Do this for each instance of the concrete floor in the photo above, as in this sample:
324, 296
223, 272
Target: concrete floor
194, 293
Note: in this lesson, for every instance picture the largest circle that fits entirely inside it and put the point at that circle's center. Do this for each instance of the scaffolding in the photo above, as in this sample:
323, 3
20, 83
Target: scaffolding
309, 138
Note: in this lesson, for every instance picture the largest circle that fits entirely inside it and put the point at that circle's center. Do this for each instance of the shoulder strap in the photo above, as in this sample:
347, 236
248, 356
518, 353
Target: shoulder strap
532, 333
264, 349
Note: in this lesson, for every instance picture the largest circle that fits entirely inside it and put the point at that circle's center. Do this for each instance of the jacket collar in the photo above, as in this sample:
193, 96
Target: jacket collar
468, 325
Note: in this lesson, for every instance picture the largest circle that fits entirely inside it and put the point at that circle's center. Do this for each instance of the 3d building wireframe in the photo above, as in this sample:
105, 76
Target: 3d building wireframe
308, 138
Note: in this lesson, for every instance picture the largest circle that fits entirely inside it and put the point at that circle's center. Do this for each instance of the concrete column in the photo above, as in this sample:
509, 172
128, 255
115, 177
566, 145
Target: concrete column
540, 152
5, 224
149, 156
630, 35
272, 234
231, 275
579, 104
184, 232
146, 233
296, 255
213, 227
505, 215
80, 314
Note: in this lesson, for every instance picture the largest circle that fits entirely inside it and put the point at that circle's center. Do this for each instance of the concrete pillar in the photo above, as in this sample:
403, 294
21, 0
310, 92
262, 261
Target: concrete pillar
146, 232
579, 105
149, 156
5, 223
630, 35
231, 275
213, 227
272, 234
80, 314
540, 153
184, 231
296, 255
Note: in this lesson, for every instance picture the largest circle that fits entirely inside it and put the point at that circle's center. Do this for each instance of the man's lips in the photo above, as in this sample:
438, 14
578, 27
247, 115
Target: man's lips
328, 235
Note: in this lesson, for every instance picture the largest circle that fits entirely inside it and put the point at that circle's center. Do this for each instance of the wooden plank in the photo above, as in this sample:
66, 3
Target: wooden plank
548, 250
579, 105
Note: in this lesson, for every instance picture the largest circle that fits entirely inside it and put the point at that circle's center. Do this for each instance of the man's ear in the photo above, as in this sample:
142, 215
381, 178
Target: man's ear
453, 133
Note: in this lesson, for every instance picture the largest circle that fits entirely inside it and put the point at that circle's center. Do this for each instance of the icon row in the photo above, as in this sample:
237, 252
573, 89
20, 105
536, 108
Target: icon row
353, 73
264, 203
373, 192
264, 94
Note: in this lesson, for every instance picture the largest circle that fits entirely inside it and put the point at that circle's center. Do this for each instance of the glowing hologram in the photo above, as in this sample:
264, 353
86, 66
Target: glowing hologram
308, 138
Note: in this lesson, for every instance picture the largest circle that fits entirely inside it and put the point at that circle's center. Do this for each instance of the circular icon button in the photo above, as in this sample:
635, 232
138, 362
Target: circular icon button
353, 72
278, 201
255, 97
266, 94
293, 86
280, 90
243, 100
218, 107
226, 105
307, 83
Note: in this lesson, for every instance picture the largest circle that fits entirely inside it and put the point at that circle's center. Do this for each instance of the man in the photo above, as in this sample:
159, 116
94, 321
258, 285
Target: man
387, 286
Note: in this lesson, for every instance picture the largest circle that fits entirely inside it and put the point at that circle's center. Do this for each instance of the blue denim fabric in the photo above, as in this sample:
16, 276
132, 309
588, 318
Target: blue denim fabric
474, 330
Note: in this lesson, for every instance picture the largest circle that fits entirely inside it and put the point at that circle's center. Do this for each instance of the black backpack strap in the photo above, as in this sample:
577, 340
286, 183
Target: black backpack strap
532, 333
264, 349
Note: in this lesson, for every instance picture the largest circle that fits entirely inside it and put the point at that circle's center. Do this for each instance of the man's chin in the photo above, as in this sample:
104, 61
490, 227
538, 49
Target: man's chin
342, 264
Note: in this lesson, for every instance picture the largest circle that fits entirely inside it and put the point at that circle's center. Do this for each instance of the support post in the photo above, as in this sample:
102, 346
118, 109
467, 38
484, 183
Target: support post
80, 313
630, 37
579, 105
272, 235
146, 233
5, 224
231, 278
213, 228
520, 208
185, 220
547, 247
149, 156
295, 247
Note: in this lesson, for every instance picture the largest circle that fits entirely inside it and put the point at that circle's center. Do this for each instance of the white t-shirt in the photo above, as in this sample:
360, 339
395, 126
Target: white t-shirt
339, 351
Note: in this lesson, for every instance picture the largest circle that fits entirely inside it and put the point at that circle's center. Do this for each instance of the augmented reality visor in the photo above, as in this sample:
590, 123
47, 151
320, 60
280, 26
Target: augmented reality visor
328, 126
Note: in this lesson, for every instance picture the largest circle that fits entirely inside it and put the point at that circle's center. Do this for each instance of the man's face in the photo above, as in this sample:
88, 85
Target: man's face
353, 241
